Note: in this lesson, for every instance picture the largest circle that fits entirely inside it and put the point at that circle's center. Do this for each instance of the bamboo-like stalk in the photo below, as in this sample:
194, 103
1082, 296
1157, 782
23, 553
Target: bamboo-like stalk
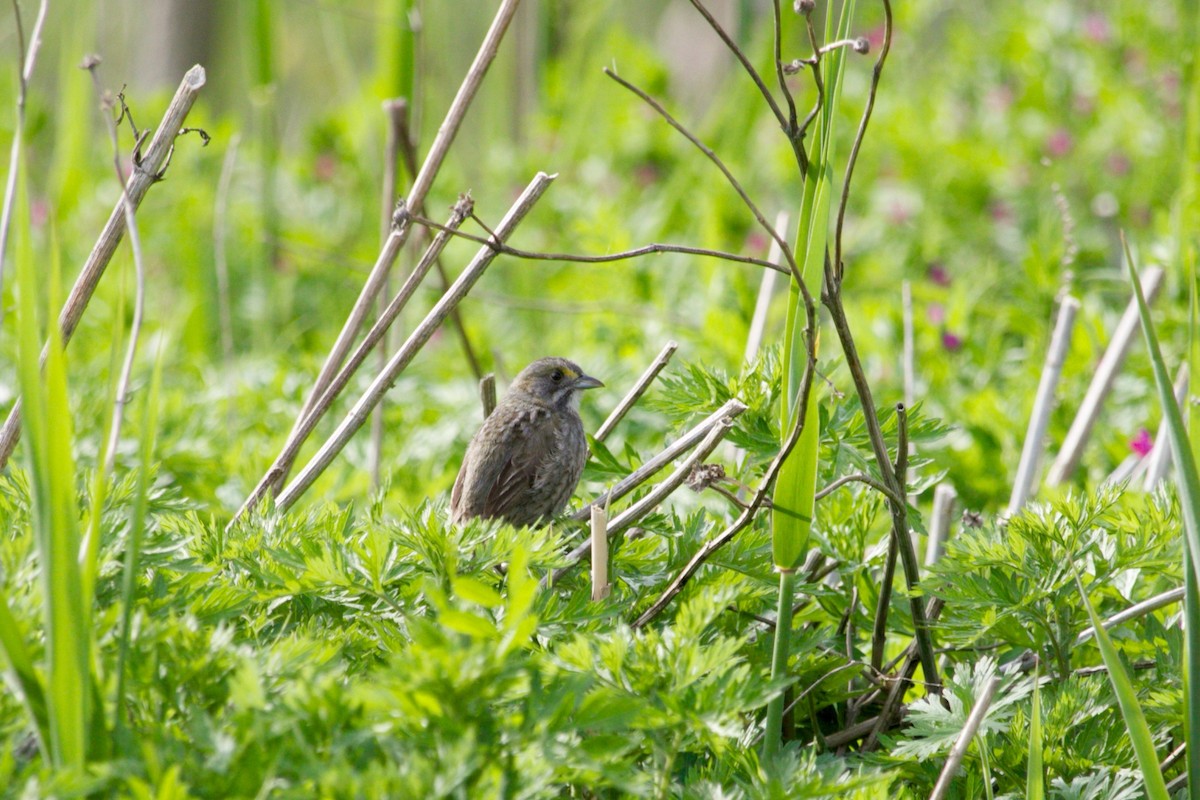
1159, 459
305, 426
145, 174
939, 528
687, 441
1106, 371
639, 389
656, 495
1161, 600
959, 751
1043, 404
600, 585
358, 414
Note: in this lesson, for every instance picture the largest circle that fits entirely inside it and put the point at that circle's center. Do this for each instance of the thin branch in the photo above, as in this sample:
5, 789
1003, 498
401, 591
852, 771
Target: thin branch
147, 170
135, 243
859, 477
305, 426
623, 255
25, 61
876, 73
959, 751
791, 128
358, 414
744, 61
639, 389
892, 704
657, 495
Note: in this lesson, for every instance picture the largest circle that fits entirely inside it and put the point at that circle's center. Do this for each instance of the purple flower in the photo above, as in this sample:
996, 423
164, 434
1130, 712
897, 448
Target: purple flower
938, 274
951, 341
1142, 443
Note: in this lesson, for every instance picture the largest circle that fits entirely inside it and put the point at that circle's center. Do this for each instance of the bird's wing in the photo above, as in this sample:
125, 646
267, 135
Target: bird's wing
524, 469
499, 466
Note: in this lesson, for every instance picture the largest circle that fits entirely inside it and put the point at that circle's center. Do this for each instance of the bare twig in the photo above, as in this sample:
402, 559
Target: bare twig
623, 255
939, 529
487, 394
1102, 380
655, 496
146, 171
91, 64
879, 633
686, 442
1159, 459
892, 703
791, 127
959, 751
860, 478
876, 74
26, 58
1043, 404
305, 426
635, 394
357, 415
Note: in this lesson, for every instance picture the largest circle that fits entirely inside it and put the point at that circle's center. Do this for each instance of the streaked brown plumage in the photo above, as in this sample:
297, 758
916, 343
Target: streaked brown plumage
524, 461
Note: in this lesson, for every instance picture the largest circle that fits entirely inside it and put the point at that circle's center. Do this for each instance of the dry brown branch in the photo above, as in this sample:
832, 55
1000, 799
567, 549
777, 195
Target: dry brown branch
358, 414
635, 394
146, 171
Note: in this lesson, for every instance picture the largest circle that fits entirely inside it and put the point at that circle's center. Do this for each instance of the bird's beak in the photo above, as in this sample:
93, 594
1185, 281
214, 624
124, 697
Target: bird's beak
586, 382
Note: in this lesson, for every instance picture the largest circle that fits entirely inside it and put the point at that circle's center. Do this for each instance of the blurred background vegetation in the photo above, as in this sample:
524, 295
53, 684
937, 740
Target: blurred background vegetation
1009, 145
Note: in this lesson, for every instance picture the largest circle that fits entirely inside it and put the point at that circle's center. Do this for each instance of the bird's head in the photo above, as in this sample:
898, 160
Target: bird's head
556, 382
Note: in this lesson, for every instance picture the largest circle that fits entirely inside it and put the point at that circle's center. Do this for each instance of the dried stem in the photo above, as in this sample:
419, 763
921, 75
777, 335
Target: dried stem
959, 751
305, 426
860, 478
487, 394
635, 394
358, 414
147, 169
26, 58
891, 705
791, 126
1043, 404
876, 74
659, 493
135, 245
939, 529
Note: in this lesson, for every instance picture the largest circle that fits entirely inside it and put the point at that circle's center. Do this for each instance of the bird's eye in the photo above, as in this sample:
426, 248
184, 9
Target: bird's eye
556, 376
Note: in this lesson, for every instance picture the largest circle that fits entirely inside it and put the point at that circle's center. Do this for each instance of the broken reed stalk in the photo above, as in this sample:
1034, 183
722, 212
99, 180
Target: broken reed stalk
766, 290
92, 64
639, 389
28, 57
1106, 372
1169, 597
145, 172
358, 414
1159, 460
487, 394
731, 408
939, 528
1043, 404
305, 426
908, 364
600, 585
221, 264
396, 112
659, 493
959, 751
415, 200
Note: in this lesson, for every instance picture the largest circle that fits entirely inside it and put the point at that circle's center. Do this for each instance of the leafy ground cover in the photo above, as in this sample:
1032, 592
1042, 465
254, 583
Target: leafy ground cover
357, 645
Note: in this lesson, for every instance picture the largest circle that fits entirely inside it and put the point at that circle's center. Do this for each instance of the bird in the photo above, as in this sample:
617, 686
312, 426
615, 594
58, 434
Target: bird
523, 463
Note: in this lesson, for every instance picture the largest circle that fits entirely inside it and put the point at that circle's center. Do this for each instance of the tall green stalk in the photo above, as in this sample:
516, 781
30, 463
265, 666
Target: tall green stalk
794, 497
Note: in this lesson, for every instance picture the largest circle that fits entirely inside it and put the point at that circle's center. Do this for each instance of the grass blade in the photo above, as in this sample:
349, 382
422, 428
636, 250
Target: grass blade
1035, 780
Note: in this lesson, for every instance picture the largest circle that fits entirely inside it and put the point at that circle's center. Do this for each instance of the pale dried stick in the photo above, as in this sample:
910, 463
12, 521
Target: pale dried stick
639, 389
762, 305
145, 173
939, 530
959, 751
656, 495
1043, 404
27, 57
396, 112
358, 414
1162, 600
415, 200
487, 394
1106, 371
600, 585
1160, 454
305, 426
731, 408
